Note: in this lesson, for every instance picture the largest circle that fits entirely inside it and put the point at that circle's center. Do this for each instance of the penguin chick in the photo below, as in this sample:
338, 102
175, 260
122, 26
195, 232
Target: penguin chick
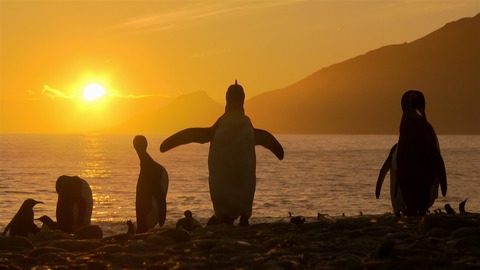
47, 223
188, 223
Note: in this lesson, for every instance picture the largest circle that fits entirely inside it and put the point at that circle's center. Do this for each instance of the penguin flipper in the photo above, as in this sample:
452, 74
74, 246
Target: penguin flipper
440, 171
7, 229
383, 171
441, 175
267, 140
189, 135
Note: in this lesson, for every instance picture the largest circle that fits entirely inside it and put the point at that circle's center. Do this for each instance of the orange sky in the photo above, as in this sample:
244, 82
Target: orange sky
144, 53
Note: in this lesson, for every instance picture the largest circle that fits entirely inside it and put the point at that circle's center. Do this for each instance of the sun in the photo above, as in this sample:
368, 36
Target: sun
93, 91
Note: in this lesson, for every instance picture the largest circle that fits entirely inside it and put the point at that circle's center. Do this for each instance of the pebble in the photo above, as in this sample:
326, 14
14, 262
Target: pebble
15, 243
437, 241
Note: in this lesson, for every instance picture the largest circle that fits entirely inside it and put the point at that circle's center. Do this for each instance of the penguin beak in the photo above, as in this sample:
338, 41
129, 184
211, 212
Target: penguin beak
37, 202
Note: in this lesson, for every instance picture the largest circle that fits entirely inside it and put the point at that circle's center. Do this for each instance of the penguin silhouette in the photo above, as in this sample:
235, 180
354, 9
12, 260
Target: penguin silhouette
231, 158
152, 188
420, 166
188, 223
131, 228
47, 223
449, 209
461, 206
75, 203
22, 223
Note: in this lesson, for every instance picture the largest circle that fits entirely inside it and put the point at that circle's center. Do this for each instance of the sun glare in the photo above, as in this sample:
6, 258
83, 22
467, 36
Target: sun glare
93, 91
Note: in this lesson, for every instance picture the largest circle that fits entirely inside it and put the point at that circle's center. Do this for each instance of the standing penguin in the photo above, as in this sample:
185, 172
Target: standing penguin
152, 187
395, 194
231, 159
75, 203
420, 166
22, 223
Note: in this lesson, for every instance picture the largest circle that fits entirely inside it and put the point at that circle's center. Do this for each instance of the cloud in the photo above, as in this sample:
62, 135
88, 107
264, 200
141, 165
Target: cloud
58, 94
130, 96
183, 15
54, 93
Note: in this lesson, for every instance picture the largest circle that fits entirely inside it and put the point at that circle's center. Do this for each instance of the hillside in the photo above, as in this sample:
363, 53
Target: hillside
358, 96
362, 95
194, 109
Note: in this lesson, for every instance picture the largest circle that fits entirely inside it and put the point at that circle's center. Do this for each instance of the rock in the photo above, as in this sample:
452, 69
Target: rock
160, 240
177, 235
467, 242
76, 245
90, 232
348, 262
438, 233
44, 250
140, 246
466, 232
15, 243
51, 235
385, 249
115, 248
130, 261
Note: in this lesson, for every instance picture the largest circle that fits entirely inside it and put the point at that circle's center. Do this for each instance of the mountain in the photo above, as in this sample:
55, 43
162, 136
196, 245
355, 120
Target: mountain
362, 95
358, 96
196, 109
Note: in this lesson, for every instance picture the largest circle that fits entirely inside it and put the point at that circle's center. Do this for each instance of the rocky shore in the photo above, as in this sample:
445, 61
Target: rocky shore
437, 241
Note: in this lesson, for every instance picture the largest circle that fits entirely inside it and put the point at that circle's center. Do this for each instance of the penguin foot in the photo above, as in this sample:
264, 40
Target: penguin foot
243, 222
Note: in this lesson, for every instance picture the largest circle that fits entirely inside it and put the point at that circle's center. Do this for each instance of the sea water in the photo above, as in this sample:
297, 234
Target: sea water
327, 174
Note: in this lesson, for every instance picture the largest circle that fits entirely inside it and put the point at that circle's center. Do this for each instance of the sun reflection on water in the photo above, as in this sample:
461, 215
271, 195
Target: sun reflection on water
94, 165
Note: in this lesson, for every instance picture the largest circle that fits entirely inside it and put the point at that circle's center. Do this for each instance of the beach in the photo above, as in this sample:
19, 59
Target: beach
436, 241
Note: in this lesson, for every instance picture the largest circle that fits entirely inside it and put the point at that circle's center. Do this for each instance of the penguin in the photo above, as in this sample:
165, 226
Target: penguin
231, 158
395, 194
188, 223
420, 166
22, 223
47, 223
152, 187
131, 228
296, 219
75, 203
449, 209
461, 206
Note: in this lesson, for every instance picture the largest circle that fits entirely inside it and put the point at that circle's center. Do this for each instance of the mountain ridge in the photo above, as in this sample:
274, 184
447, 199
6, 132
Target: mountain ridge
378, 78
360, 95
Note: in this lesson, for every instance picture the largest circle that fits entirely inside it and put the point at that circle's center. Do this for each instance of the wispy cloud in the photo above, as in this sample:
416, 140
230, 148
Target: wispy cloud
58, 94
55, 94
184, 15
130, 96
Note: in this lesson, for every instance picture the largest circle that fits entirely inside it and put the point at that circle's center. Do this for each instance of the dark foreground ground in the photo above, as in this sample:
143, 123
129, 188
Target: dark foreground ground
437, 241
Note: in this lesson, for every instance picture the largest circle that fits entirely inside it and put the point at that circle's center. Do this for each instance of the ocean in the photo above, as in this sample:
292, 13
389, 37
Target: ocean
327, 174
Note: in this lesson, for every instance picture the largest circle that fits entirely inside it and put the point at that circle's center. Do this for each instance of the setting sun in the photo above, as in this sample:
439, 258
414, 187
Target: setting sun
93, 91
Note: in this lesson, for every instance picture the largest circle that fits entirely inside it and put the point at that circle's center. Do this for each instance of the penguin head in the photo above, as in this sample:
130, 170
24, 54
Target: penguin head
68, 184
235, 97
140, 143
45, 219
414, 100
188, 214
30, 203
